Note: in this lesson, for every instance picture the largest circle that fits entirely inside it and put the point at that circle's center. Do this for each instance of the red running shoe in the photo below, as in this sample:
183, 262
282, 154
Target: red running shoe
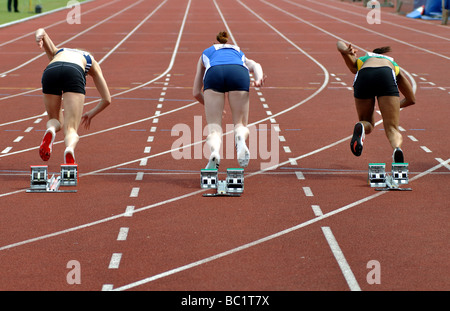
356, 144
45, 150
69, 156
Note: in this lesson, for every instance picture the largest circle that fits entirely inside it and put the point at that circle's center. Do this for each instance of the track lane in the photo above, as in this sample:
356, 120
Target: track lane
122, 273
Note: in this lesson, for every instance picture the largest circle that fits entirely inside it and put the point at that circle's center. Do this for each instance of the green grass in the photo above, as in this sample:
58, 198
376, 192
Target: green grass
27, 8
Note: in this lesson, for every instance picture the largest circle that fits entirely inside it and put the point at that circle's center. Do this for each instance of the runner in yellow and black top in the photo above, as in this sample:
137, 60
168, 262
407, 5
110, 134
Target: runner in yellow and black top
377, 76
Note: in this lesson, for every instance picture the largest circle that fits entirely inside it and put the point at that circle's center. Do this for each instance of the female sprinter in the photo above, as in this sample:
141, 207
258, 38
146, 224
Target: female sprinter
377, 76
64, 82
223, 68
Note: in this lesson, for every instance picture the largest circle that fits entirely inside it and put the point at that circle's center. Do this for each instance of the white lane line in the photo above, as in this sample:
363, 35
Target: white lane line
139, 175
123, 234
340, 258
321, 13
317, 210
129, 211
6, 150
308, 192
444, 163
115, 261
134, 192
412, 138
107, 287
72, 38
425, 149
19, 138
299, 175
287, 149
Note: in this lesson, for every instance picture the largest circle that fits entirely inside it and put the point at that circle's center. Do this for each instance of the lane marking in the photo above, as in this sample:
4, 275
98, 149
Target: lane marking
139, 175
317, 210
123, 234
340, 258
134, 192
321, 13
68, 40
412, 138
308, 192
6, 150
299, 175
425, 149
115, 261
129, 211
444, 163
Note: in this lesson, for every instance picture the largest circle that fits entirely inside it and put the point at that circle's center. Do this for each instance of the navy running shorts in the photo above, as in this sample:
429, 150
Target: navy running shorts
373, 82
226, 78
62, 77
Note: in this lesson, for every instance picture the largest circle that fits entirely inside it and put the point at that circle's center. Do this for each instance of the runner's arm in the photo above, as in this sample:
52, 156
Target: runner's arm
256, 68
349, 55
198, 82
406, 89
102, 87
44, 42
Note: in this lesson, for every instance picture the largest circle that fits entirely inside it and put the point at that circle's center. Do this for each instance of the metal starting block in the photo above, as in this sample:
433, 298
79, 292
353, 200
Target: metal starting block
41, 183
379, 178
377, 174
233, 185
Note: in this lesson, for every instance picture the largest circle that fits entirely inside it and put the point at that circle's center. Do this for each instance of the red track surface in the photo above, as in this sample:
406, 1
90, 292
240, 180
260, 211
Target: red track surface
269, 238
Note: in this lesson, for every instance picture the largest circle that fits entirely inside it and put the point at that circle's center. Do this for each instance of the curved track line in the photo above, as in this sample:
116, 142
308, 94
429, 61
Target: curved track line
235, 249
384, 21
198, 142
411, 78
368, 30
267, 238
57, 23
70, 39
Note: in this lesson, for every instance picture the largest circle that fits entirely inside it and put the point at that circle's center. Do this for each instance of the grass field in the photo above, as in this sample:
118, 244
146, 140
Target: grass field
27, 8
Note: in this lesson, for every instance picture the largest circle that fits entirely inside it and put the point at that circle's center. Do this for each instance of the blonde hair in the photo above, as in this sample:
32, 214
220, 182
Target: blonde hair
222, 37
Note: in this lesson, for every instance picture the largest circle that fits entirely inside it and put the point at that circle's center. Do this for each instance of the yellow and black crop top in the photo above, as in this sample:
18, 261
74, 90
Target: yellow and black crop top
360, 61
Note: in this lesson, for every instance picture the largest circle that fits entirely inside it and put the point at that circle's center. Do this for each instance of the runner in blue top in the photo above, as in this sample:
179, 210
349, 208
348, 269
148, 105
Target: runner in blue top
223, 68
377, 76
64, 83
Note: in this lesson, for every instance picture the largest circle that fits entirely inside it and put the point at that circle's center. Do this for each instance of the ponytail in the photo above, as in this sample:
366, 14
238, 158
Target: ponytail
382, 50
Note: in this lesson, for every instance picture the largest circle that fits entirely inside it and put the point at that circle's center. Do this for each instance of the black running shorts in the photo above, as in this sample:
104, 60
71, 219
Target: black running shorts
373, 82
62, 77
226, 78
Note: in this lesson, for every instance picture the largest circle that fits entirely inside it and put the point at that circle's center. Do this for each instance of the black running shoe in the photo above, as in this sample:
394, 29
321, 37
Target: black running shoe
356, 144
397, 156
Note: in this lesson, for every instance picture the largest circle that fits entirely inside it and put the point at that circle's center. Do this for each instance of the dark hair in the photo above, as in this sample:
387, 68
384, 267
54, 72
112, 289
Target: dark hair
382, 50
222, 37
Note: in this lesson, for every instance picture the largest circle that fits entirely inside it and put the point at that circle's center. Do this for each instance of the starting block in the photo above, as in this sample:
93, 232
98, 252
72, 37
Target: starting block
377, 174
41, 183
379, 178
233, 185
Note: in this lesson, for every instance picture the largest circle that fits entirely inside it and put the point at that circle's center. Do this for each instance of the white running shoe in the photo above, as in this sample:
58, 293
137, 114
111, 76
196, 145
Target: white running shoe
242, 152
214, 161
